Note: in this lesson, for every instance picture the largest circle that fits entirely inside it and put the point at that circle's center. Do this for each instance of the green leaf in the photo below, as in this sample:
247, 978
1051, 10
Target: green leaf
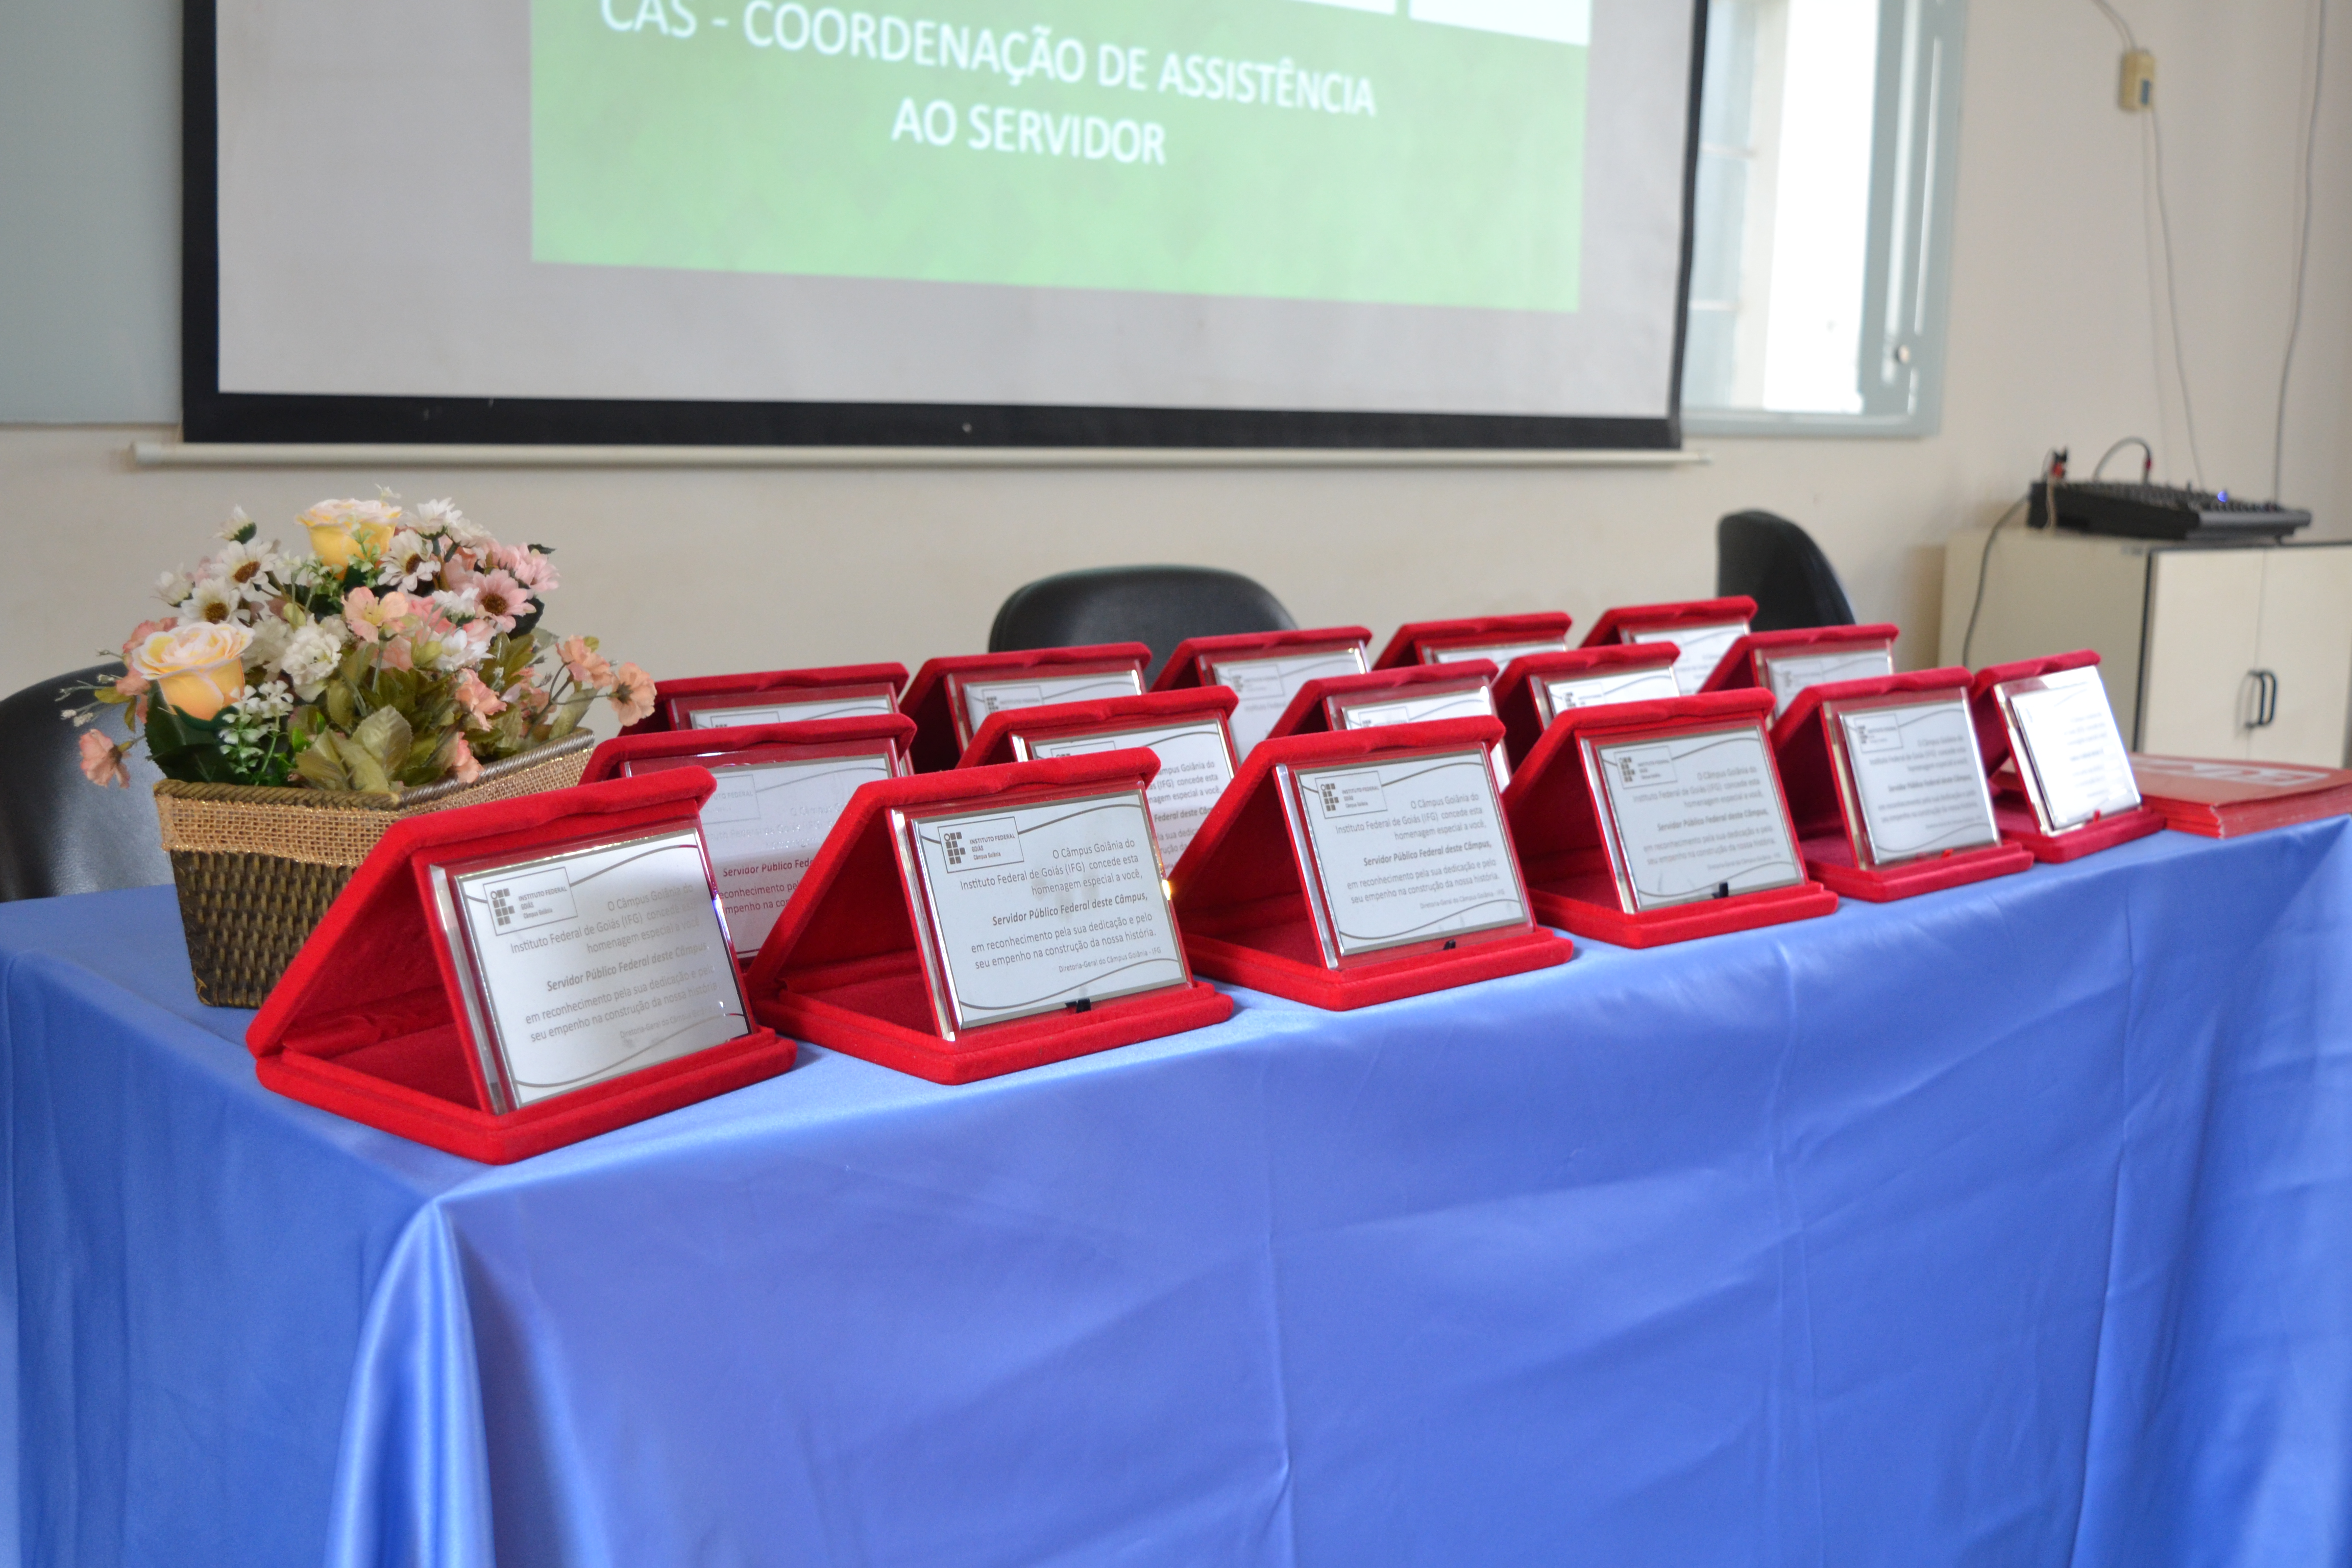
364, 770
342, 705
566, 716
386, 736
322, 765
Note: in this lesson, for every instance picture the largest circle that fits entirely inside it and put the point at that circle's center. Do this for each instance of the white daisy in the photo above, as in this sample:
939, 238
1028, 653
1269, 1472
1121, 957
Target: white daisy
249, 567
442, 517
172, 587
408, 563
236, 524
215, 599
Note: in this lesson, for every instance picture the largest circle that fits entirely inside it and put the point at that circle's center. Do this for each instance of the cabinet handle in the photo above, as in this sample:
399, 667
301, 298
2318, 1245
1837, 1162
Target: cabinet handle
2266, 689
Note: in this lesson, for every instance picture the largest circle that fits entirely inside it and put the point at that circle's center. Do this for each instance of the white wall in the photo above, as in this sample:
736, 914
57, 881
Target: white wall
700, 570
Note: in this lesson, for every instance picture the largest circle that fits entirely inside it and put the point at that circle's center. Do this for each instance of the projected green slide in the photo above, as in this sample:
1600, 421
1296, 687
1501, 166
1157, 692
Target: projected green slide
1379, 151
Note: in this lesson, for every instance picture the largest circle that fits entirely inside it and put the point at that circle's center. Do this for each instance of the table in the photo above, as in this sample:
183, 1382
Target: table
2012, 1225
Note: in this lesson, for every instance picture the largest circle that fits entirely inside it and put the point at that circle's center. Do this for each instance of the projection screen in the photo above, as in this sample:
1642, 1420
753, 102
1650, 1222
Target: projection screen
1069, 222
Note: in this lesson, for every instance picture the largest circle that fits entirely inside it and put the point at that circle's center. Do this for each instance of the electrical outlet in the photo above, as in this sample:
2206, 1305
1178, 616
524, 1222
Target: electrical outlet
2137, 93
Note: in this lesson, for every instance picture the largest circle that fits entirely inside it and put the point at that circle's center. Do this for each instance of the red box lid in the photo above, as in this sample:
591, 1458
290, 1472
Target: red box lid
1307, 716
1993, 729
840, 966
993, 745
1182, 668
894, 675
1736, 671
605, 762
935, 745
1245, 910
1402, 648
1800, 741
1680, 613
1515, 701
368, 1022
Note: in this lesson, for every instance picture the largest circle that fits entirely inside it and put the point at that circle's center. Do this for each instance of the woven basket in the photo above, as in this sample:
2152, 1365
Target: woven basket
257, 868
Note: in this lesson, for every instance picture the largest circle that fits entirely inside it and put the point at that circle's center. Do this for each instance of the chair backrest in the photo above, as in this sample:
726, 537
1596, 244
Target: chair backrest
58, 831
1777, 564
1157, 606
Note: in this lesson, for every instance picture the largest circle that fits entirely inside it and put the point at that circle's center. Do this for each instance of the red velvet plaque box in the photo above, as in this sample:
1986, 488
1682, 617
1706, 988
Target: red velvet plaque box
841, 968
673, 700
2009, 808
1188, 666
1522, 700
1826, 830
1701, 629
1742, 666
1447, 642
625, 754
993, 745
369, 1021
1554, 807
1310, 709
1241, 889
1618, 625
937, 702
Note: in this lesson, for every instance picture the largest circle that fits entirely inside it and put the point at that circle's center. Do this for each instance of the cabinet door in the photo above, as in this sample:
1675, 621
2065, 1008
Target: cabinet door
2306, 643
2204, 615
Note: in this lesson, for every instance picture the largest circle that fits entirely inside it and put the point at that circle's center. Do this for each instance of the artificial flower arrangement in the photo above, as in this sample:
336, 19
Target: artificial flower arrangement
398, 651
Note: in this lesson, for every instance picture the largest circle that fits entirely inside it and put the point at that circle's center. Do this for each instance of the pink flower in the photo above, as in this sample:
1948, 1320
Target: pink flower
478, 700
367, 617
102, 761
584, 663
499, 598
462, 765
634, 696
396, 655
146, 630
529, 567
131, 683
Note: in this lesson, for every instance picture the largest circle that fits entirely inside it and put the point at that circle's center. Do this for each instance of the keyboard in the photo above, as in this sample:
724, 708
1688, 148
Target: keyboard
2164, 511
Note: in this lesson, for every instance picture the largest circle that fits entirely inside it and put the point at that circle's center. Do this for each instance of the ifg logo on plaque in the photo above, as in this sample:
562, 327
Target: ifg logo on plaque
531, 901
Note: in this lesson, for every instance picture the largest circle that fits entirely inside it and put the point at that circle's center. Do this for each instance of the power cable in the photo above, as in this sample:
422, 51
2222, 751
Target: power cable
2152, 147
2147, 458
2053, 472
2302, 253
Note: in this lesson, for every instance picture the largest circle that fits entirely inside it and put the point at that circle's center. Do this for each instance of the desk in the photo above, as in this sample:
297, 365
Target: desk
2012, 1225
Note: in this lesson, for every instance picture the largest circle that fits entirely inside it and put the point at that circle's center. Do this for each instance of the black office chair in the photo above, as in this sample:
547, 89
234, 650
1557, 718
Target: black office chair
58, 831
1773, 562
1157, 606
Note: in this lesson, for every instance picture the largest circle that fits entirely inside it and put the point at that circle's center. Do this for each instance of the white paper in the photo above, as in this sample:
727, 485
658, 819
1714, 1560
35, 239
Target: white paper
1044, 905
765, 822
1410, 851
1265, 687
1033, 689
2073, 756
1694, 813
1566, 692
596, 963
1194, 770
1790, 673
1416, 708
1919, 778
1502, 653
791, 712
1698, 649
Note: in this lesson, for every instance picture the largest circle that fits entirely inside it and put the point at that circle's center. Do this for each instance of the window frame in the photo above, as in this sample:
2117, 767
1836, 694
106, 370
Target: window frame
1906, 277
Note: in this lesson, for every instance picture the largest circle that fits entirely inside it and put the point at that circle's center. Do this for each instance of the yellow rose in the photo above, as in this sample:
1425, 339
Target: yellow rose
199, 669
341, 529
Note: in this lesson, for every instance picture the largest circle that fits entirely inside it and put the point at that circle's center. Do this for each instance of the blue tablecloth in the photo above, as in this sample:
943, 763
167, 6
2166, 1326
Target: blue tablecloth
2007, 1226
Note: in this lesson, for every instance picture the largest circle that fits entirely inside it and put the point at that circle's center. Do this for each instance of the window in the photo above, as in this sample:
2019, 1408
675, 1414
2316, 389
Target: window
1821, 235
